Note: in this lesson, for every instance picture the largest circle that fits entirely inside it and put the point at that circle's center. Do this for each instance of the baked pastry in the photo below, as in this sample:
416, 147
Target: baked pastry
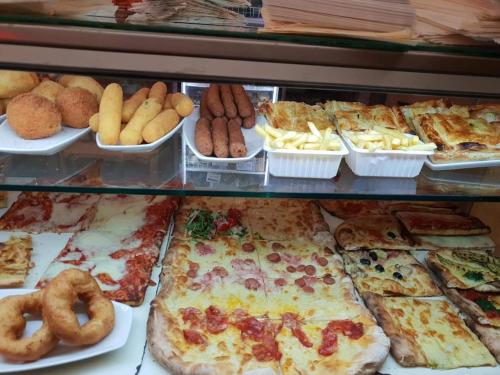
33, 117
76, 105
368, 117
294, 116
13, 83
459, 138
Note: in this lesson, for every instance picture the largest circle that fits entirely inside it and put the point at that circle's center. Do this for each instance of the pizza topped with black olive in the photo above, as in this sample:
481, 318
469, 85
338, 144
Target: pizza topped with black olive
389, 272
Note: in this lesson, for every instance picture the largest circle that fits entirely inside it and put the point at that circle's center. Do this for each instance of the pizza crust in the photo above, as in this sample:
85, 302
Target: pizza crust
403, 348
468, 307
489, 336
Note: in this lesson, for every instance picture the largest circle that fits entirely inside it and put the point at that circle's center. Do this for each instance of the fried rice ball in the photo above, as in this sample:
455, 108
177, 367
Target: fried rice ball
77, 106
13, 83
33, 117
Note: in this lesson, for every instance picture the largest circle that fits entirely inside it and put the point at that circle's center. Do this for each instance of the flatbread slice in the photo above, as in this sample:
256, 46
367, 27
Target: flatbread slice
389, 272
428, 333
441, 224
15, 257
458, 243
372, 232
466, 270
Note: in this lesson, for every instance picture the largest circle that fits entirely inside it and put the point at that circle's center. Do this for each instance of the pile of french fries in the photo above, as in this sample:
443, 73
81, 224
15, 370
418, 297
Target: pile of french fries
324, 140
380, 138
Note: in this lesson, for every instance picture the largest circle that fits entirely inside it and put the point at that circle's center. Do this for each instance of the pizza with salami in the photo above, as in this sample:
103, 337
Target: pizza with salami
389, 272
120, 247
248, 304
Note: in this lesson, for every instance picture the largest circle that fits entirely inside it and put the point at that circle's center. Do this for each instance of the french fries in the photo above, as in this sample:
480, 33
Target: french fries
324, 140
380, 138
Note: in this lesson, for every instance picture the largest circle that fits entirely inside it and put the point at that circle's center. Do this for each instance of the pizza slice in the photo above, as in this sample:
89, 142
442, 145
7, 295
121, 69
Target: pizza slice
389, 272
286, 259
212, 341
295, 116
121, 246
372, 232
346, 209
466, 270
489, 336
483, 307
297, 223
204, 224
334, 346
15, 257
428, 333
458, 243
441, 224
38, 212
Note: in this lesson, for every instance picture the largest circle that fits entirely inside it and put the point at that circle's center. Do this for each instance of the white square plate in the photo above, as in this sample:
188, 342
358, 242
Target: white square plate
11, 143
253, 141
462, 165
65, 353
143, 147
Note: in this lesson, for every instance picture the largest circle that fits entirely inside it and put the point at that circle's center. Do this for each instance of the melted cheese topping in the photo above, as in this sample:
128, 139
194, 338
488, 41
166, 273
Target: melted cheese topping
441, 337
482, 242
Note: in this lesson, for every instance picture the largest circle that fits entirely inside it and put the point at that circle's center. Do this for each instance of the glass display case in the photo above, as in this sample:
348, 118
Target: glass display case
188, 57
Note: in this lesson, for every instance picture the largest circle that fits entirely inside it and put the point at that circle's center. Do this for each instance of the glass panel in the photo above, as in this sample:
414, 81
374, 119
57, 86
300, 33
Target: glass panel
83, 167
110, 18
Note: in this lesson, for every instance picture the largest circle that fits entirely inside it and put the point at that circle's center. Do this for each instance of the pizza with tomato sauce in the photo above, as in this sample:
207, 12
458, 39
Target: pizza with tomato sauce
39, 212
120, 246
233, 302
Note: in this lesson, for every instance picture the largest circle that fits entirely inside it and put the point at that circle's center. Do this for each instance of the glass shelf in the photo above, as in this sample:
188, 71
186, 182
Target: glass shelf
85, 168
108, 19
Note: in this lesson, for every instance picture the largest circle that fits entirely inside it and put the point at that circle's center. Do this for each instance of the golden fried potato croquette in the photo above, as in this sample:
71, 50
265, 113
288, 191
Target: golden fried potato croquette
13, 83
76, 105
87, 83
48, 89
32, 116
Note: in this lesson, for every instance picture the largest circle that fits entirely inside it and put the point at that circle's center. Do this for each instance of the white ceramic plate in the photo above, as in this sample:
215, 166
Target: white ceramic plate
462, 165
65, 353
253, 141
11, 143
145, 147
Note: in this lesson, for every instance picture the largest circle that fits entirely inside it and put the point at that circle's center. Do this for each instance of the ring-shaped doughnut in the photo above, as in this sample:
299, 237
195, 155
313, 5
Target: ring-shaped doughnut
13, 323
58, 299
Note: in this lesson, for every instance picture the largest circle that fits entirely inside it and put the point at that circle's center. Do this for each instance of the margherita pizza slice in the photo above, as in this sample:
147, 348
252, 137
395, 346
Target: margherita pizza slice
466, 270
389, 272
38, 212
428, 333
341, 347
15, 256
121, 246
441, 224
372, 232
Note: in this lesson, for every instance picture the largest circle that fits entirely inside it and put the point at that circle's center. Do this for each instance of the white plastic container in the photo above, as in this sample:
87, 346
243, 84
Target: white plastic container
384, 163
305, 164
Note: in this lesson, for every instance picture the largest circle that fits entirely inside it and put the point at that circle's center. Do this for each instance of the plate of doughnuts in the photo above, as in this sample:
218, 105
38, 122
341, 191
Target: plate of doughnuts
43, 342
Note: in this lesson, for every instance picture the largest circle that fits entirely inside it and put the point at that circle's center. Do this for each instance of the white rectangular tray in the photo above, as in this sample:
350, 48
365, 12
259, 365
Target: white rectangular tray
11, 143
462, 165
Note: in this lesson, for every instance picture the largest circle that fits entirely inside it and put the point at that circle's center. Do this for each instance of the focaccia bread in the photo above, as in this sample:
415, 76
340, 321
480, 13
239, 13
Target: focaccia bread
368, 117
459, 138
428, 333
389, 273
466, 270
441, 224
294, 116
15, 257
372, 232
